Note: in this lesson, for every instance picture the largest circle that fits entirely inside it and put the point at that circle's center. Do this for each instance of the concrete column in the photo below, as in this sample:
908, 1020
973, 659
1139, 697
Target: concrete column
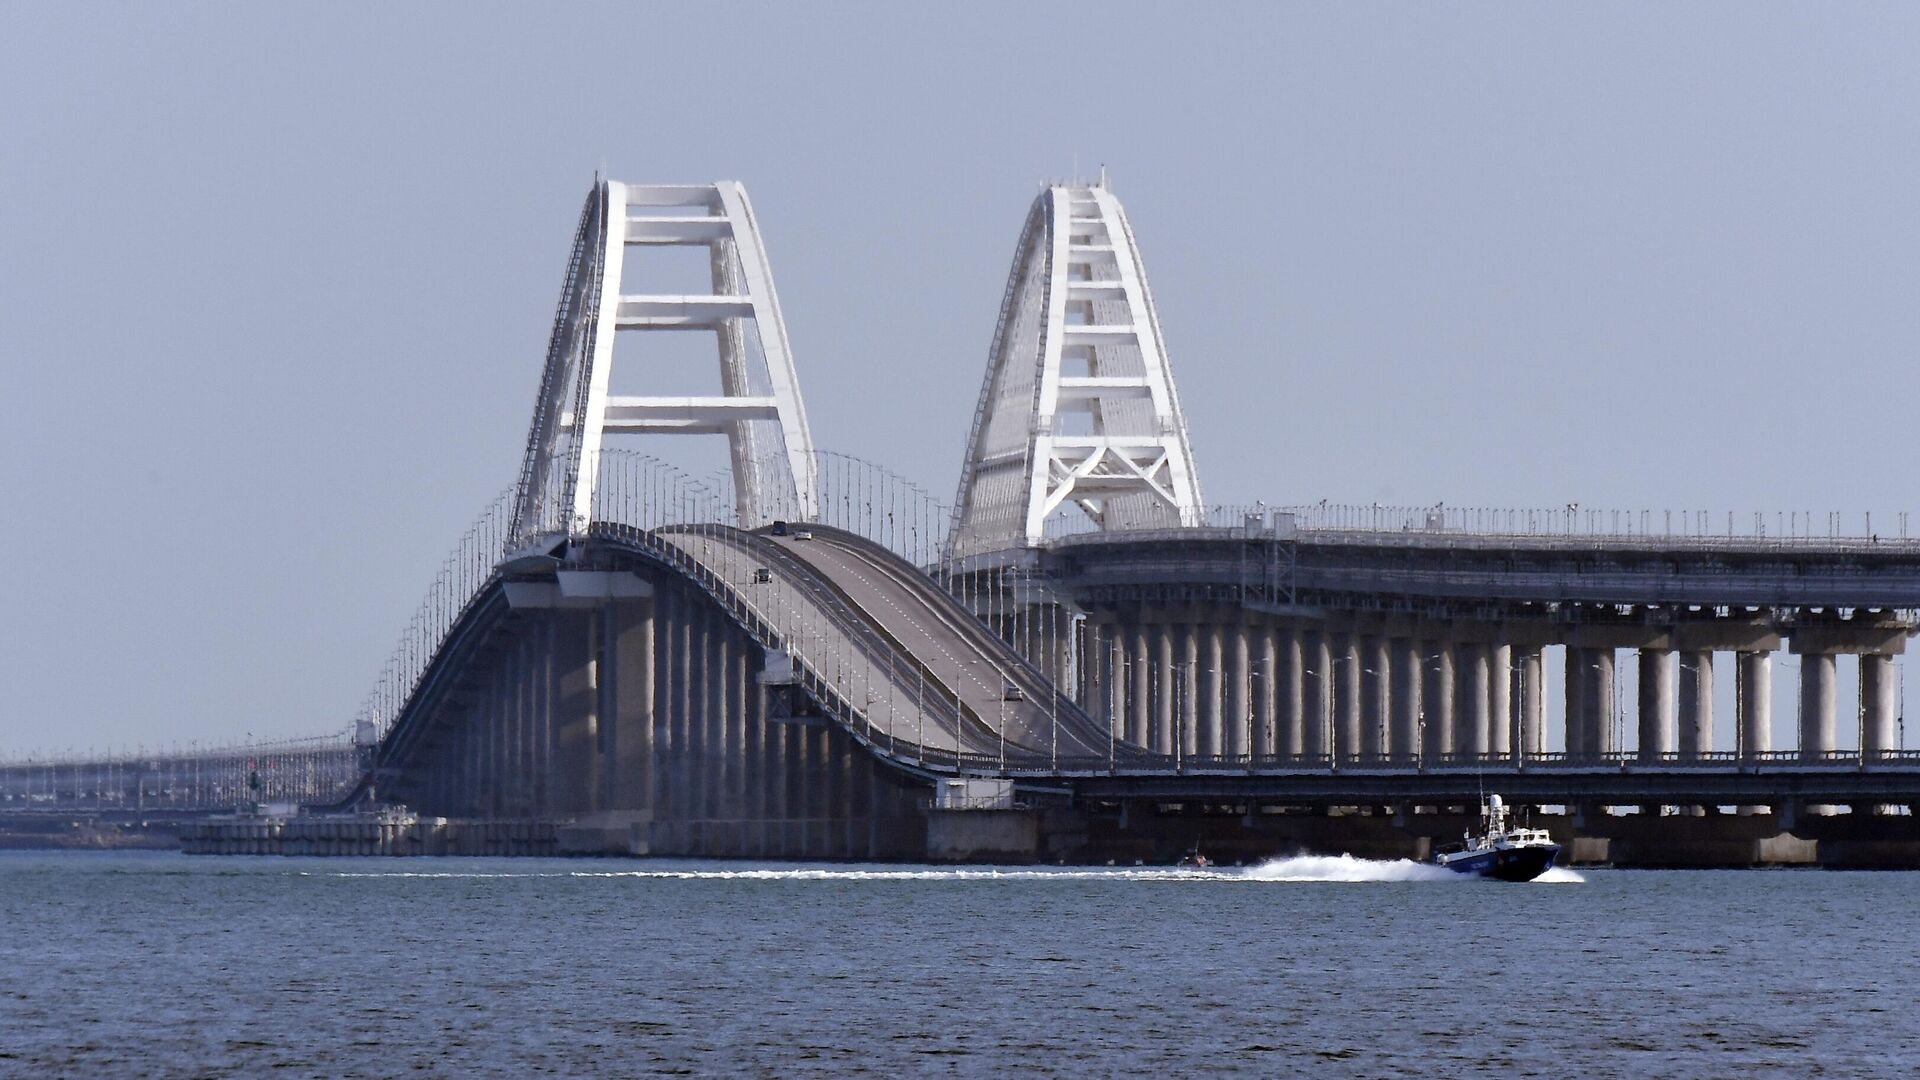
1091, 684
1139, 685
1376, 695
741, 665
1600, 702
1437, 700
1186, 720
631, 686
1879, 704
1316, 698
1755, 704
685, 700
1403, 734
1472, 724
1818, 712
1163, 689
1211, 688
1238, 722
544, 678
1265, 694
1530, 687
1694, 735
1575, 713
1346, 697
1500, 701
575, 781
1289, 739
1657, 668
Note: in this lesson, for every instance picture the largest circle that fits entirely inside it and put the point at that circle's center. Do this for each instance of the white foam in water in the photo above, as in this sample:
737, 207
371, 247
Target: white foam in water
1347, 868
1336, 868
1560, 875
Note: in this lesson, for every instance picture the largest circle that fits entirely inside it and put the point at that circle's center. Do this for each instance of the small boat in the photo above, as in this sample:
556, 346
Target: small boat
1502, 850
1194, 858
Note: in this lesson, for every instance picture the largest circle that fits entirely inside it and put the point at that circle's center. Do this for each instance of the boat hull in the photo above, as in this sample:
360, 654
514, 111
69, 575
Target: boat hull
1506, 864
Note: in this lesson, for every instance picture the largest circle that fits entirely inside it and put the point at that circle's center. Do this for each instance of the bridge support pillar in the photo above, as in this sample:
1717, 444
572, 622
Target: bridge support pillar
1211, 689
1754, 706
1574, 712
1264, 688
1753, 709
627, 700
1657, 668
1187, 704
574, 763
1436, 701
1376, 695
1818, 709
1163, 689
1239, 720
1473, 719
1139, 683
1500, 701
1530, 720
1819, 715
1289, 709
1346, 697
1590, 701
1695, 734
1879, 704
1403, 736
1317, 694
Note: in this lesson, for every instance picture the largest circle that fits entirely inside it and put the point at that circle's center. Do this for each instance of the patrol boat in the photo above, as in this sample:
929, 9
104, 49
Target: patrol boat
1501, 850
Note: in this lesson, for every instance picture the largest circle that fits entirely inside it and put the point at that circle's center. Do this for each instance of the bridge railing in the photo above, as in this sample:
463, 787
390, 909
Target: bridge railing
1461, 764
464, 574
1328, 521
316, 769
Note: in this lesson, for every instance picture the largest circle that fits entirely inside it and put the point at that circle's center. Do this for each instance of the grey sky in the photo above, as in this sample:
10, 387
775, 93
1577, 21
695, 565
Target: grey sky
278, 279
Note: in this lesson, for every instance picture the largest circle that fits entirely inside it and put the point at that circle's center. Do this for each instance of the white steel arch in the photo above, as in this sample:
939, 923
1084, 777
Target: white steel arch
759, 409
1079, 405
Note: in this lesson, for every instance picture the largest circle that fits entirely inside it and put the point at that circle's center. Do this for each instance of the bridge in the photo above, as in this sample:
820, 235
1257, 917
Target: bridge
1077, 657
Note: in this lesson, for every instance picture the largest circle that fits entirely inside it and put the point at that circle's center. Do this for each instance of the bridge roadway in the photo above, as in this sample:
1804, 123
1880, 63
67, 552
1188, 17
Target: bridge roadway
876, 593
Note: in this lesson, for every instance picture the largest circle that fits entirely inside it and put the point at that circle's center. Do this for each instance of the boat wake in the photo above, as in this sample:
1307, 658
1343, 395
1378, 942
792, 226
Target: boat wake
1347, 868
1299, 868
1560, 875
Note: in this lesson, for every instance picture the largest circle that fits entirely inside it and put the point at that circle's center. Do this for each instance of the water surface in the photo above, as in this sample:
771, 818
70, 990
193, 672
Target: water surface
156, 964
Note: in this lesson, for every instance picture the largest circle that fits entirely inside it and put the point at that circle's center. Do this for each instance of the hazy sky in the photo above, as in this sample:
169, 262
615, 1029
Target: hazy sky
278, 279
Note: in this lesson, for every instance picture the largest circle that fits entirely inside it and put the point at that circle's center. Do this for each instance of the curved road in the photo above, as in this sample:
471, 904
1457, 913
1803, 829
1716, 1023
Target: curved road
899, 602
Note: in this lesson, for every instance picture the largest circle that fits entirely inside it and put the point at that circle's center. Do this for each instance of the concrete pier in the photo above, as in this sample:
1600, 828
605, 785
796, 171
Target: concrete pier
1347, 712
1694, 734
1403, 734
1209, 740
1317, 695
1500, 701
1376, 695
1472, 734
1754, 704
1290, 696
1574, 690
1818, 709
1437, 701
1529, 674
1879, 704
1657, 703
1161, 735
1239, 720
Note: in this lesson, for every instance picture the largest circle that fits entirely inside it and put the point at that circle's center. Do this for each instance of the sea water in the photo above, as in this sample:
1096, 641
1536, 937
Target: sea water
152, 964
